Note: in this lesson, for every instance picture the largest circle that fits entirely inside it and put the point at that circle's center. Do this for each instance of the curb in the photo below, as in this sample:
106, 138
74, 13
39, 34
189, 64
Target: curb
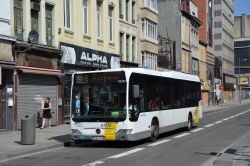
27, 152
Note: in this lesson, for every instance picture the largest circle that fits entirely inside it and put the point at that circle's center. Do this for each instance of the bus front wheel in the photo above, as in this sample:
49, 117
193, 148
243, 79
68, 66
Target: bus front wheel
190, 122
154, 130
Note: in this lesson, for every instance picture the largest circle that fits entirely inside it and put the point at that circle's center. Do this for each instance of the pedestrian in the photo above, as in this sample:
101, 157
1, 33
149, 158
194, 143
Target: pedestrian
46, 107
217, 100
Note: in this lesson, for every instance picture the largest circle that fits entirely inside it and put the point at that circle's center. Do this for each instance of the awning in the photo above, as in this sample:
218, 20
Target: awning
7, 65
33, 70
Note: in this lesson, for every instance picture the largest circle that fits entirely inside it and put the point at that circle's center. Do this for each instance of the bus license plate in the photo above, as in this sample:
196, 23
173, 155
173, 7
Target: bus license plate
98, 138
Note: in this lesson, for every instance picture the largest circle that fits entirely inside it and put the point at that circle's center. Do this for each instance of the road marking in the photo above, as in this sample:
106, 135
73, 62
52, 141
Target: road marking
159, 142
126, 153
94, 163
30, 154
181, 135
209, 125
225, 119
220, 121
196, 130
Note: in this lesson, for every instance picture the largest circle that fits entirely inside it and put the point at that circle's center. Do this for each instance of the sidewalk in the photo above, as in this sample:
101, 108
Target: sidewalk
47, 138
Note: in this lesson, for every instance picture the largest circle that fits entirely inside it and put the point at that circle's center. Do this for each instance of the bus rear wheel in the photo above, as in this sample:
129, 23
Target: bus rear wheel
154, 130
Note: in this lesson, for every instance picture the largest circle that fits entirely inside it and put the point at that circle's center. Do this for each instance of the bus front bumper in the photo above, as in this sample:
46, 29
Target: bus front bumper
121, 135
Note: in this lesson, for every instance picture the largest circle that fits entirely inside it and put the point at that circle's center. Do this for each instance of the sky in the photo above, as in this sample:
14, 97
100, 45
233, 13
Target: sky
241, 7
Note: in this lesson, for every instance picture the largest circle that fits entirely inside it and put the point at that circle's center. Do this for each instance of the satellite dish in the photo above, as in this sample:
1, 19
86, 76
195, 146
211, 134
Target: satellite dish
33, 37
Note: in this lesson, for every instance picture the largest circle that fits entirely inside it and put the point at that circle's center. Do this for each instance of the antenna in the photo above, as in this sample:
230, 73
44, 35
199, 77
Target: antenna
33, 37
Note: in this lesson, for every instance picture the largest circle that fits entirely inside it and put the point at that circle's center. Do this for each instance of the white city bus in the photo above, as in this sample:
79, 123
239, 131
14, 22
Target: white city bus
132, 103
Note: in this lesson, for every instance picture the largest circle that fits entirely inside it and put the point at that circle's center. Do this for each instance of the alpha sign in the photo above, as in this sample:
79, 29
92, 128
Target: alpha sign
77, 55
94, 58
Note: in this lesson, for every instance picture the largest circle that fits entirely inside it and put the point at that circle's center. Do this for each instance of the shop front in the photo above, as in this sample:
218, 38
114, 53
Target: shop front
7, 68
205, 90
229, 88
38, 75
76, 58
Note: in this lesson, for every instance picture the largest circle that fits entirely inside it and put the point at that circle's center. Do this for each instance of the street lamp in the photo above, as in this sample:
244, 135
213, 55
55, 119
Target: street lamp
239, 79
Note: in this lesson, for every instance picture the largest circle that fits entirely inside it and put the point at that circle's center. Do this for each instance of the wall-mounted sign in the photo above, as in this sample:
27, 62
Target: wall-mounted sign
0, 75
77, 55
229, 81
244, 80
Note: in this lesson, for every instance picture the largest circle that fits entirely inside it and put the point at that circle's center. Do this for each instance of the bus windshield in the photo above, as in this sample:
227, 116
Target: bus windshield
99, 97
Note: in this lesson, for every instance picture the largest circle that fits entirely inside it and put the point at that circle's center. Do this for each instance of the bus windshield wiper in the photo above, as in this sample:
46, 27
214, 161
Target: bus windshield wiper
97, 118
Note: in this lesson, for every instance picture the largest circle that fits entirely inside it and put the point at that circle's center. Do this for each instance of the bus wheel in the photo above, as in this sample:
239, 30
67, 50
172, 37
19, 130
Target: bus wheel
190, 122
154, 130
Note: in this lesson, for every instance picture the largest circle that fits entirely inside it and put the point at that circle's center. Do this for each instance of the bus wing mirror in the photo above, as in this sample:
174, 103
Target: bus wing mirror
136, 93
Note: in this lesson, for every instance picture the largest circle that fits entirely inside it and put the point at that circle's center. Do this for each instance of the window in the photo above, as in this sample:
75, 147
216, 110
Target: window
210, 24
18, 19
217, 24
217, 13
149, 30
133, 49
110, 23
133, 12
217, 47
85, 16
151, 4
99, 18
127, 47
217, 35
67, 13
34, 20
49, 35
217, 2
172, 93
149, 60
121, 45
127, 9
120, 8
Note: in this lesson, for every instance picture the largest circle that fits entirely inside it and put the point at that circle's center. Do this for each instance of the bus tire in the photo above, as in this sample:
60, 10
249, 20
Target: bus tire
154, 133
190, 122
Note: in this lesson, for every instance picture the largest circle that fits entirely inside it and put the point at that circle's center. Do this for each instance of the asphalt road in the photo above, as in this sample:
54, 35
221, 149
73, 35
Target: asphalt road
216, 132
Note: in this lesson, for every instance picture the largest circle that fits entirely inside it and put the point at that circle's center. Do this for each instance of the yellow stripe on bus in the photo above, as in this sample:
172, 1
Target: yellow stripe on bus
196, 115
110, 131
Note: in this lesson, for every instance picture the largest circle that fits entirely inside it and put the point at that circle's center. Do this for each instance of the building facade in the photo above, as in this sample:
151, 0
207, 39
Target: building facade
242, 44
242, 54
89, 38
169, 26
129, 33
148, 32
7, 67
178, 20
224, 46
206, 46
38, 67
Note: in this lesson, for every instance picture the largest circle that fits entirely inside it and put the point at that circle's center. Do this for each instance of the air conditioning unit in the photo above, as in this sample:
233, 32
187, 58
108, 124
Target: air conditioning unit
35, 6
121, 16
133, 21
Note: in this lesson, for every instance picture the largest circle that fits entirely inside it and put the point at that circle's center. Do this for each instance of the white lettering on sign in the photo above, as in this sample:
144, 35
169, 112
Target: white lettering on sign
94, 58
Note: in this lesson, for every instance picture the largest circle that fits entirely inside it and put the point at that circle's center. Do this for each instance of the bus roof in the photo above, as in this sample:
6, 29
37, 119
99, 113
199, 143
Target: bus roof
167, 73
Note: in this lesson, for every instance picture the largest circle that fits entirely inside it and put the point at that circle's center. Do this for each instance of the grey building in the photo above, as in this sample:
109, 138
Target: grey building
224, 47
242, 44
170, 24
223, 36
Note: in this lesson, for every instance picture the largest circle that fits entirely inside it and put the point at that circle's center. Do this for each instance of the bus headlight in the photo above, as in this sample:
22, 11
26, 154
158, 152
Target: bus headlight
75, 132
123, 134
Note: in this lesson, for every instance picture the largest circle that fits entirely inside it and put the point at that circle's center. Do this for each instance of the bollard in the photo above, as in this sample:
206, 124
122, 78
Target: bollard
28, 130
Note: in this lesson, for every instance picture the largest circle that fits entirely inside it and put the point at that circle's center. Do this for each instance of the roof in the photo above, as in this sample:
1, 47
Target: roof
168, 73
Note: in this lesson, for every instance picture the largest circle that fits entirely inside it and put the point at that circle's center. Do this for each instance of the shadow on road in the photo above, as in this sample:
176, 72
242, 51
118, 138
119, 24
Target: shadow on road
113, 144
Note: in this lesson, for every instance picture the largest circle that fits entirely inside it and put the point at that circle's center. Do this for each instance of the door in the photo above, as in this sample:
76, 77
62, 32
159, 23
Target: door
1, 109
31, 90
